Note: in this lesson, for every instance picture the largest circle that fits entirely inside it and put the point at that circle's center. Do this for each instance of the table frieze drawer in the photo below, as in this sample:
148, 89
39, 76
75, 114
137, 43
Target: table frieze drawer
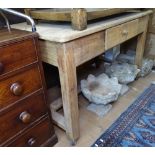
118, 34
88, 47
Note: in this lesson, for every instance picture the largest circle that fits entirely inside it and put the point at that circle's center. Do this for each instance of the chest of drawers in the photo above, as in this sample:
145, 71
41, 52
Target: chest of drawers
24, 116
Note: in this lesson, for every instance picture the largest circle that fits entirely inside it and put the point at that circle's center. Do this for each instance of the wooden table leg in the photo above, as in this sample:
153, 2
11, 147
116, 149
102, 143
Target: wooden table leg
68, 80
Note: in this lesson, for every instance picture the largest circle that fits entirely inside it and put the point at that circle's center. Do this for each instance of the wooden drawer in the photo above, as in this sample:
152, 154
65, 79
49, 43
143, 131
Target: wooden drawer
88, 47
18, 86
21, 115
16, 55
120, 33
35, 136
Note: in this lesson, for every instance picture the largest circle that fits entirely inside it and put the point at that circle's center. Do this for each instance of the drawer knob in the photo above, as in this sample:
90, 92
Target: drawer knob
1, 68
25, 117
31, 142
16, 89
125, 32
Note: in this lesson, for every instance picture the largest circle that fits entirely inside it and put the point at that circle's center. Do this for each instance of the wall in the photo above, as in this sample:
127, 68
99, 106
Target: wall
150, 42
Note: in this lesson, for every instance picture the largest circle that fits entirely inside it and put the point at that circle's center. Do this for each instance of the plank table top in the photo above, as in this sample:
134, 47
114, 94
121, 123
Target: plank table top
63, 32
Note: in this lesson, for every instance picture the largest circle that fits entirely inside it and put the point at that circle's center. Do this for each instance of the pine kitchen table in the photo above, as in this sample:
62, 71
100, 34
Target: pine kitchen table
66, 49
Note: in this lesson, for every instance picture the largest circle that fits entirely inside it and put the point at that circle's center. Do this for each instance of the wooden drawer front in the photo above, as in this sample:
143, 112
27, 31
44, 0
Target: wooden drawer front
17, 55
21, 115
36, 136
88, 47
22, 84
121, 33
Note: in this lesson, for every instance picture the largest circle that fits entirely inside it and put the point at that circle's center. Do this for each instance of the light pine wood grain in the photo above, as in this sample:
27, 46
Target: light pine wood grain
79, 19
68, 80
118, 34
63, 32
64, 14
88, 47
49, 52
77, 16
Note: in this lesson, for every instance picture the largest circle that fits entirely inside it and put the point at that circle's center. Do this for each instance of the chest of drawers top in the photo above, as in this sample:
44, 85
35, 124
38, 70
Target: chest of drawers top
14, 35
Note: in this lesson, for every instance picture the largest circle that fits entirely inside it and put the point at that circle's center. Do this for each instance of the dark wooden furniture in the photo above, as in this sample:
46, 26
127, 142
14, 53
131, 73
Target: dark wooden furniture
24, 116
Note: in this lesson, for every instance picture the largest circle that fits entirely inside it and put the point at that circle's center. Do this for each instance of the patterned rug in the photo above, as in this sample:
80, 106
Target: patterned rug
135, 127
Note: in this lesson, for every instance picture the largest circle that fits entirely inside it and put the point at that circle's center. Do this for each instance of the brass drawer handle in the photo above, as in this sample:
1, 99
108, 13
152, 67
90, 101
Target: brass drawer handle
16, 89
124, 32
25, 117
1, 67
31, 142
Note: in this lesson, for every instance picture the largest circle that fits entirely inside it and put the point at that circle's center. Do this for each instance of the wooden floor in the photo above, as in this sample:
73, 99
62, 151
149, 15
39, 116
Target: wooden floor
91, 126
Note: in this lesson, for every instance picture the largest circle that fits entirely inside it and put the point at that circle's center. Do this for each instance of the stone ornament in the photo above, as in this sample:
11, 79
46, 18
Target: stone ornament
101, 89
